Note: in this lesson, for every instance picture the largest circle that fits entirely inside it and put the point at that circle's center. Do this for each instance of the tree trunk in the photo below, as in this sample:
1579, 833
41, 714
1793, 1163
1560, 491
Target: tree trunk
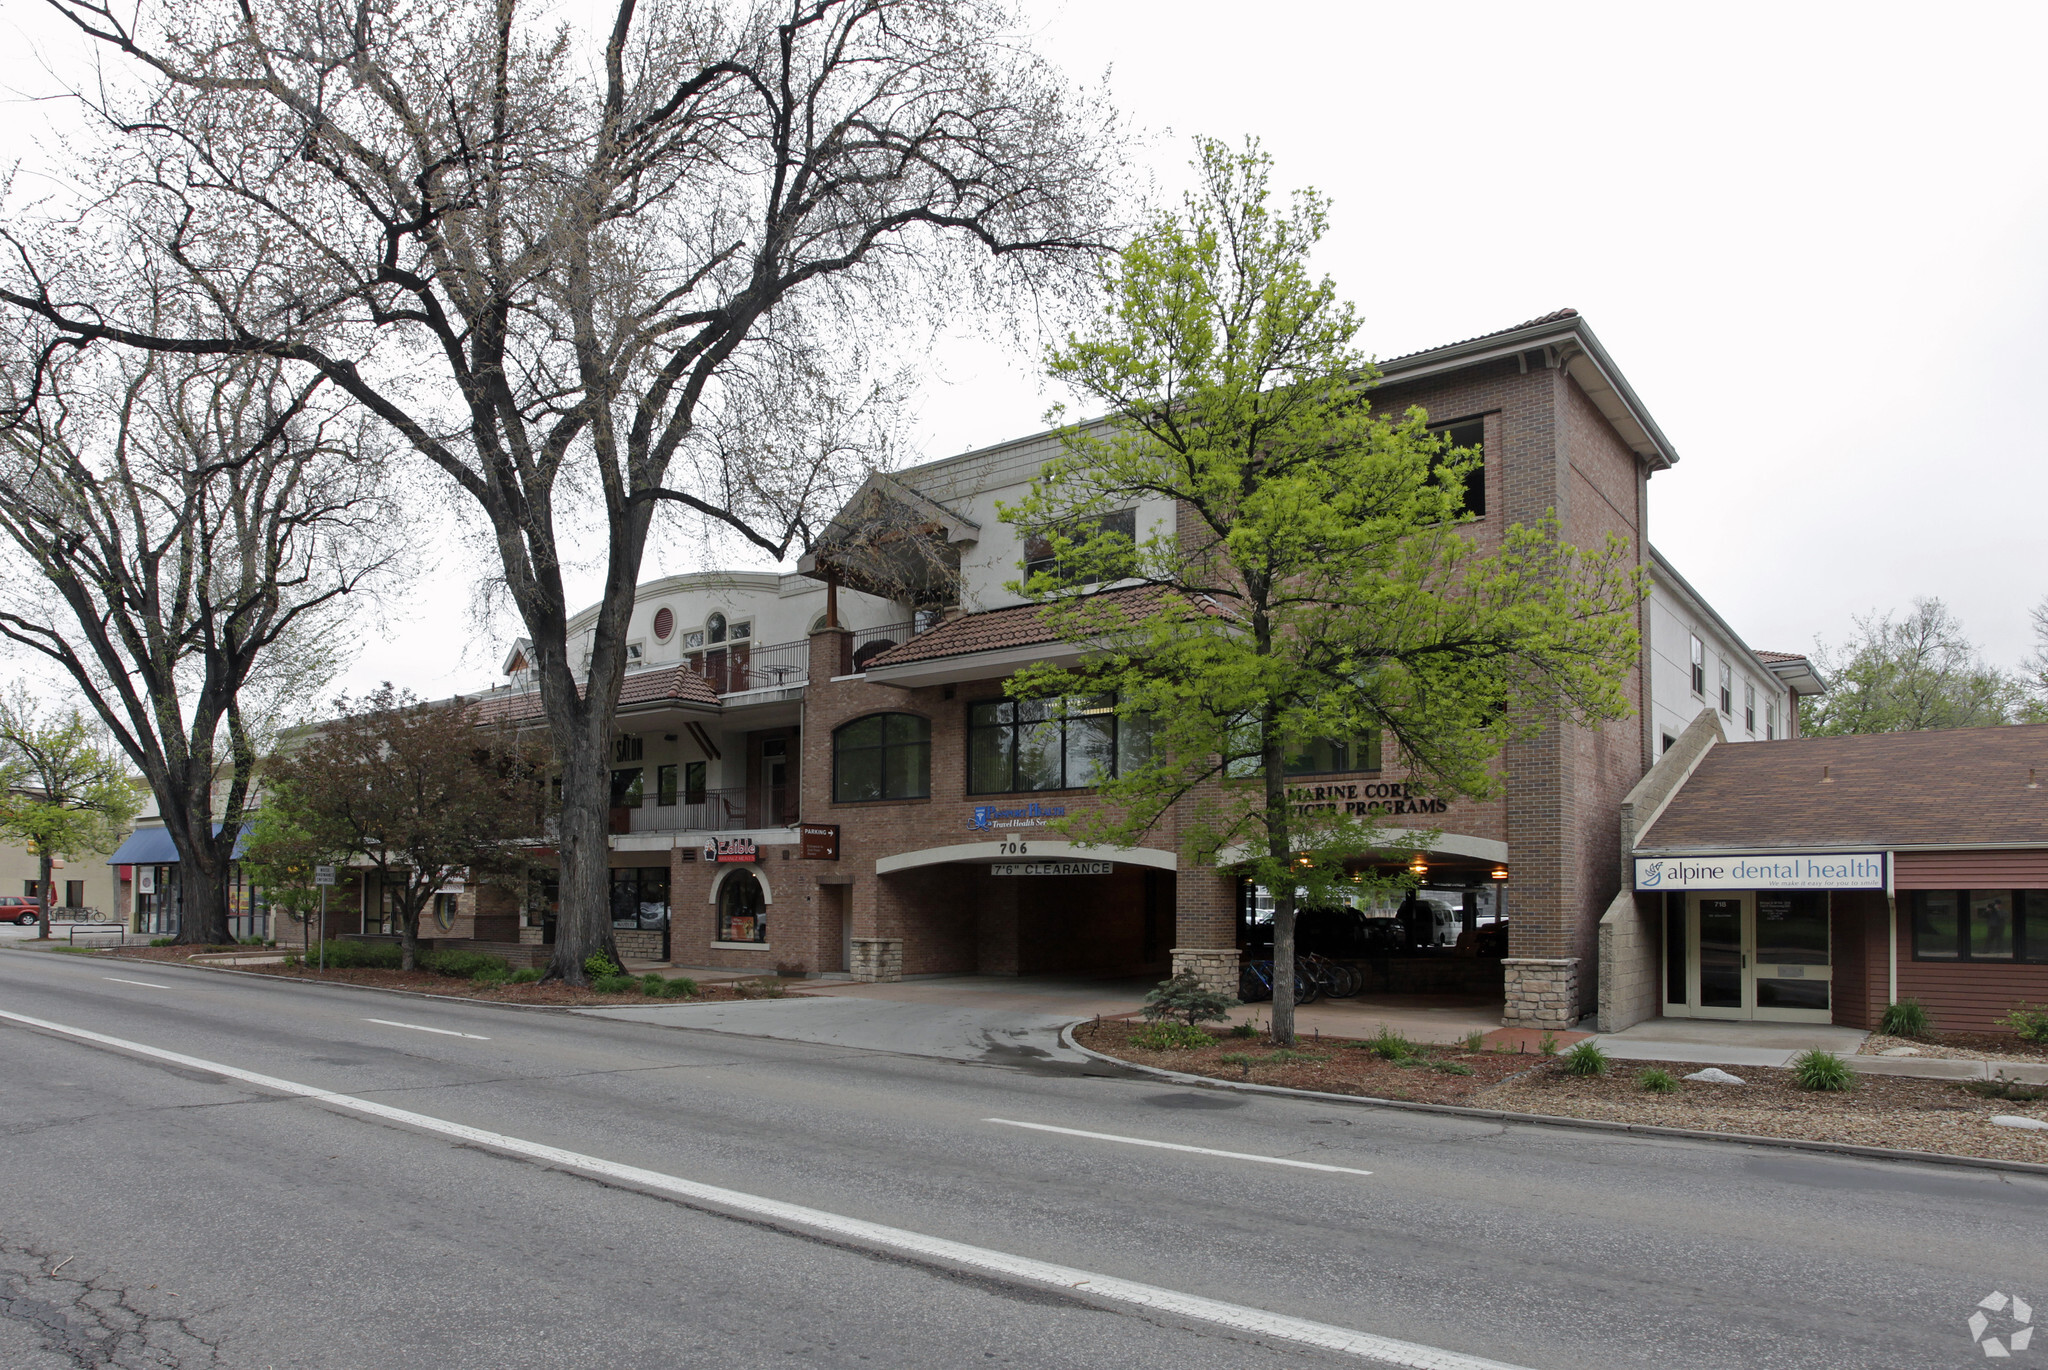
44, 868
202, 906
1278, 848
584, 924
409, 940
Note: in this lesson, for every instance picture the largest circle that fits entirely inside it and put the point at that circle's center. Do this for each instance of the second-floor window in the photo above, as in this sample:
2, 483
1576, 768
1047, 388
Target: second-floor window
1727, 689
626, 787
1017, 745
1336, 756
1770, 720
1039, 554
1699, 668
1469, 433
882, 756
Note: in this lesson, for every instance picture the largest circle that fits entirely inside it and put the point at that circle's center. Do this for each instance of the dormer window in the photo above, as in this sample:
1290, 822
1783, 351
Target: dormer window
636, 652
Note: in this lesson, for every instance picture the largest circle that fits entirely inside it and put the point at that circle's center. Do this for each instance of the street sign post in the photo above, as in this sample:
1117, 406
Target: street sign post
323, 876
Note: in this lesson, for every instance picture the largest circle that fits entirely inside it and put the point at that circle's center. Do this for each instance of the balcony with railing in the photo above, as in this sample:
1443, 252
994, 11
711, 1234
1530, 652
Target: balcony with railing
727, 810
736, 667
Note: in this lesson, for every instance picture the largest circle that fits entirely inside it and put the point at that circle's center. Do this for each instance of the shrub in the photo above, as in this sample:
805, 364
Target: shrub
162, 941
1907, 1018
1548, 1046
2030, 1023
525, 975
490, 975
1821, 1070
1657, 1080
463, 965
1245, 1030
1451, 1067
766, 987
1584, 1059
682, 987
614, 984
1390, 1045
361, 955
1171, 1035
1474, 1041
1241, 1059
1184, 998
598, 964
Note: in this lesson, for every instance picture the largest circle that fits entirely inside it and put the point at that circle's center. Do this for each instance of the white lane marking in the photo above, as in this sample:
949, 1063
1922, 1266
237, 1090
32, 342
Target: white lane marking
146, 984
1176, 1146
445, 1032
1257, 1321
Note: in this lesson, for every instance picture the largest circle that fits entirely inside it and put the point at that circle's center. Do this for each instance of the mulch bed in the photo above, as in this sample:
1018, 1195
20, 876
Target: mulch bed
1331, 1064
1882, 1110
551, 993
1962, 1046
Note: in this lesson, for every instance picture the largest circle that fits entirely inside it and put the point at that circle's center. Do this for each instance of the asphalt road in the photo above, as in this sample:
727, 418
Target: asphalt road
156, 1213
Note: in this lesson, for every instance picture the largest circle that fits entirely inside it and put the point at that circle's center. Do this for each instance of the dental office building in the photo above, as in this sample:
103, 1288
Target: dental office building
819, 770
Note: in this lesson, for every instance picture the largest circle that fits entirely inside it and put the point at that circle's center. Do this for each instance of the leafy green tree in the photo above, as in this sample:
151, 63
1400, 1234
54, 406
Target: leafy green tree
1318, 584
1911, 673
419, 792
281, 857
66, 796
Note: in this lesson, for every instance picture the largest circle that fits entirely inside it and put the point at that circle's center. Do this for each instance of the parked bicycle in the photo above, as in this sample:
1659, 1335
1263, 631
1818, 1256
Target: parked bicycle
1255, 983
1338, 981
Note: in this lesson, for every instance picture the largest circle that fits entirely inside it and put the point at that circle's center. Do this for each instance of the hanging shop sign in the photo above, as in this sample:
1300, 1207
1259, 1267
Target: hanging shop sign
730, 849
1763, 871
145, 880
1032, 815
820, 841
1052, 868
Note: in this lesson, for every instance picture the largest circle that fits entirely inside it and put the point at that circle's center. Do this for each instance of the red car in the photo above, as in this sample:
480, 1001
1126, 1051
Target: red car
15, 909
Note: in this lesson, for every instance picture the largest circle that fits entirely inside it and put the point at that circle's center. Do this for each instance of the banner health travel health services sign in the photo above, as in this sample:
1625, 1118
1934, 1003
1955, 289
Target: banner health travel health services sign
1831, 871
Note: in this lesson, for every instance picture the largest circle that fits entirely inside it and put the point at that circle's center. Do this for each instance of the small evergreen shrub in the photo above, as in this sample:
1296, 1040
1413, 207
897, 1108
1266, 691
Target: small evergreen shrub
525, 975
682, 987
1245, 1030
462, 965
1548, 1046
1451, 1067
1657, 1080
598, 965
1822, 1070
1184, 999
363, 955
1170, 1035
2030, 1023
1584, 1059
162, 941
491, 975
1907, 1018
651, 985
614, 984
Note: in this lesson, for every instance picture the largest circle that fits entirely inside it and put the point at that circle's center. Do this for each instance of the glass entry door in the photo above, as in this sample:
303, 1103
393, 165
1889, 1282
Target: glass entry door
1761, 955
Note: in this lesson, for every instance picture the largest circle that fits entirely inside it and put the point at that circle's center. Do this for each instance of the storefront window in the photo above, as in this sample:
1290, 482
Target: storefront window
1980, 925
882, 756
742, 910
640, 897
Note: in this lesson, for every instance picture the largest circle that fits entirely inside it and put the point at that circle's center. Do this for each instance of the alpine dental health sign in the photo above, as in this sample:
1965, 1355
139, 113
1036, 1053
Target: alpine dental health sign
1831, 871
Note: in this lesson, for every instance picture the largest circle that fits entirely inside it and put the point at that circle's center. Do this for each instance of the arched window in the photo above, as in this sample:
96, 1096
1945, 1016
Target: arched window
714, 628
742, 910
882, 756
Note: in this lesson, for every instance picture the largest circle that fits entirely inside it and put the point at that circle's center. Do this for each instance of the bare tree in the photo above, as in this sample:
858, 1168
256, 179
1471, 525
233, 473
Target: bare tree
567, 266
185, 535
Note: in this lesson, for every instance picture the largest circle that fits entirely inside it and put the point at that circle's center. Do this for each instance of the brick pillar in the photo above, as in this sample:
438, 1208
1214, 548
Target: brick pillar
877, 958
831, 654
1542, 991
1205, 927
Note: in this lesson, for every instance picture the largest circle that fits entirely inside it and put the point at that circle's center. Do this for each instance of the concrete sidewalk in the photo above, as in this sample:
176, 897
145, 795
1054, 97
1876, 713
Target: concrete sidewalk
991, 1034
1709, 1042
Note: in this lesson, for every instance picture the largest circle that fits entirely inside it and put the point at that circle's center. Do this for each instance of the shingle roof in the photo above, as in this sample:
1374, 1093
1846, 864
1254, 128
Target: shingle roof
676, 684
1965, 785
1021, 625
1554, 316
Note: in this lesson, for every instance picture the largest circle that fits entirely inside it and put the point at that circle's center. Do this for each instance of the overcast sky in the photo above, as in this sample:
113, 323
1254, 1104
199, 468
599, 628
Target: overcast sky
1811, 236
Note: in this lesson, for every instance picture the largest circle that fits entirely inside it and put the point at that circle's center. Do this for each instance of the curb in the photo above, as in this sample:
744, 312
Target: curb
1495, 1115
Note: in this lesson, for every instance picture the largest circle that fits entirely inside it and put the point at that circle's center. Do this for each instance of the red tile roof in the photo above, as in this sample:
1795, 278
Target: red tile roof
668, 684
1780, 656
1021, 625
1965, 785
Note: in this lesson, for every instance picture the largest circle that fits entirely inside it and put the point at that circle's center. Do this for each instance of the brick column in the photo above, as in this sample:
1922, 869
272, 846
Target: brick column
831, 654
877, 958
1205, 927
1542, 991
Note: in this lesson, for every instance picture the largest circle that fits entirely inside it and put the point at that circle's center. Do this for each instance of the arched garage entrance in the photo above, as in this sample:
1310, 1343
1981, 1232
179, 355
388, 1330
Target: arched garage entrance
1029, 907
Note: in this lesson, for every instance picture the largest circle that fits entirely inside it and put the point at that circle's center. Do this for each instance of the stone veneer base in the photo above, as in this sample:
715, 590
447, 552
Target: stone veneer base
1541, 991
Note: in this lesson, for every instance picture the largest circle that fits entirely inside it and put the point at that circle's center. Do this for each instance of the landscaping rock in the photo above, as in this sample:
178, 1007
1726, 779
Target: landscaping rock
1900, 1051
1714, 1075
2014, 1120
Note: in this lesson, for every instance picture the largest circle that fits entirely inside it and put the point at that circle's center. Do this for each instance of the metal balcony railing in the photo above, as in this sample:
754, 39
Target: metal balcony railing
712, 811
869, 643
734, 667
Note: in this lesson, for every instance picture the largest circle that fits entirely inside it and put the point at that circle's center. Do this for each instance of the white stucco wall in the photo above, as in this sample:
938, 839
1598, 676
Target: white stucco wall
1674, 620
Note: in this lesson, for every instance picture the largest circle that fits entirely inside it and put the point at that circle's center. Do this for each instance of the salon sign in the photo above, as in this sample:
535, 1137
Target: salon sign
1765, 871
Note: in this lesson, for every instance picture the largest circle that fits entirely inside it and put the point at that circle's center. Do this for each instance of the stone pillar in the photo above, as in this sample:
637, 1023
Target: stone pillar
1214, 967
877, 958
1542, 992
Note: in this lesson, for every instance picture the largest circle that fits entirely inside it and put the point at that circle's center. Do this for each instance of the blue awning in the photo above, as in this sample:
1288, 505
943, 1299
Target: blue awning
153, 847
